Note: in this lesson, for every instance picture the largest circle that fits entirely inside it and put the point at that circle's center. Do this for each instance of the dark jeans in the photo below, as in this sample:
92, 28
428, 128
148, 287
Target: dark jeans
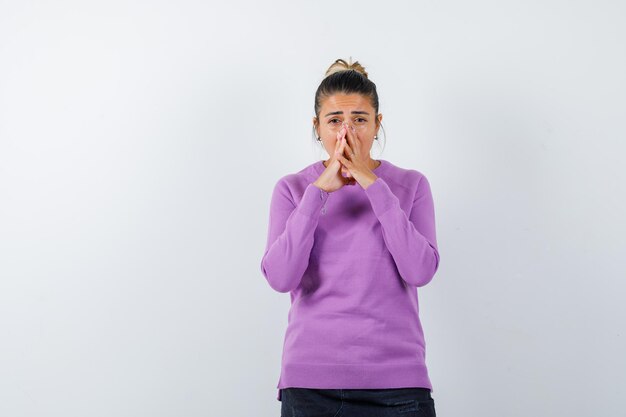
312, 402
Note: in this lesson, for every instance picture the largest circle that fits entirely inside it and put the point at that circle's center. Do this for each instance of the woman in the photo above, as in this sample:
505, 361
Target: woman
352, 238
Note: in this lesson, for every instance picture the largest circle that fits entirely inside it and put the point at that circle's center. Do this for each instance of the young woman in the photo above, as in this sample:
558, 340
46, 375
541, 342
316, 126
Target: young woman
352, 238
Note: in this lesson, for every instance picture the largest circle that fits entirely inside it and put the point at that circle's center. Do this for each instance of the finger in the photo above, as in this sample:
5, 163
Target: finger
352, 138
347, 151
350, 151
356, 145
344, 161
340, 136
339, 149
348, 133
342, 144
338, 144
340, 152
344, 152
341, 133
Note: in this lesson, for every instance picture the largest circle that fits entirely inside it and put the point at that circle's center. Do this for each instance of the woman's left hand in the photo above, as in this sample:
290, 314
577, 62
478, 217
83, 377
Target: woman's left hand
354, 161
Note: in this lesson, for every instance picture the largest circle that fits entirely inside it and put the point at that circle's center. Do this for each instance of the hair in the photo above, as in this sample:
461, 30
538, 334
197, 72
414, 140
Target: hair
346, 78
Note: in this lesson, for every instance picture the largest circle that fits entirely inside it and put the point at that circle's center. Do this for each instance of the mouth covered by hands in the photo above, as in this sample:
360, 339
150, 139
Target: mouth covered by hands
353, 163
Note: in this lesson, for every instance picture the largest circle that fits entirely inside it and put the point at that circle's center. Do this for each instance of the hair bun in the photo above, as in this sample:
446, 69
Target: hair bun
341, 65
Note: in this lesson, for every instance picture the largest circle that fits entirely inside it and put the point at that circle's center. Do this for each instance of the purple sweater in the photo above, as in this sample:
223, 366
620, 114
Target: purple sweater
352, 261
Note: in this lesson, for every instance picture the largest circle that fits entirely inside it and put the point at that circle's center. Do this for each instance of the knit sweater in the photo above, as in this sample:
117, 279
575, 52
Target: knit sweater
352, 261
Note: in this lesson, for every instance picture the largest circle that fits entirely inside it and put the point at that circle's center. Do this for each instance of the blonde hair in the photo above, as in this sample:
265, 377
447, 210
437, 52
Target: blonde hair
342, 65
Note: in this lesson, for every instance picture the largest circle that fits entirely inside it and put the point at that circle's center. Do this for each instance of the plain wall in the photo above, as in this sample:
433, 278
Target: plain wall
140, 142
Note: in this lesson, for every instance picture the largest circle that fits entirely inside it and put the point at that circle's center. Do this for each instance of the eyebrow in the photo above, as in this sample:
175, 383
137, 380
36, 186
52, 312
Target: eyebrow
341, 112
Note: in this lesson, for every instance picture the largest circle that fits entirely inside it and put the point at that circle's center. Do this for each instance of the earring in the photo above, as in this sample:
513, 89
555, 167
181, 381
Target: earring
318, 138
376, 137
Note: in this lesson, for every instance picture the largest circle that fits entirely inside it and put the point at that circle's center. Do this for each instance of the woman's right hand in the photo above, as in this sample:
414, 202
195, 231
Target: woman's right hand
332, 179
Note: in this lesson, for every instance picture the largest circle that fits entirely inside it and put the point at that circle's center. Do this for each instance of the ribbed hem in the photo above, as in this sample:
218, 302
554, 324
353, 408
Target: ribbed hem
366, 376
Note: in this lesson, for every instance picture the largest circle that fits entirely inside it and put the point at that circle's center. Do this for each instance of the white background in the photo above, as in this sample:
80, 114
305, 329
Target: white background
140, 142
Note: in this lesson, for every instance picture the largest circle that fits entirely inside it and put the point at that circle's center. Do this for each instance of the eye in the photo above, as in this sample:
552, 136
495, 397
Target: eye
333, 120
362, 119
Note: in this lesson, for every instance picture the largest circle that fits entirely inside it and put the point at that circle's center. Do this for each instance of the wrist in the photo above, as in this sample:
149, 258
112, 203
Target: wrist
320, 187
369, 181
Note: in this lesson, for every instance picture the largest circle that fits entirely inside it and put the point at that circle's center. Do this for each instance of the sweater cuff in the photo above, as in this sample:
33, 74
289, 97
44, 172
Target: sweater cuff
381, 197
312, 201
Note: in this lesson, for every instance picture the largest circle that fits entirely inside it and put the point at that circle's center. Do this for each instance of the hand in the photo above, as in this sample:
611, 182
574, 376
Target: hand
355, 162
331, 179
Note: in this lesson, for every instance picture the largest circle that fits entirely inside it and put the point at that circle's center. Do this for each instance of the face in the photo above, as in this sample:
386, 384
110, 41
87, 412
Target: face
354, 109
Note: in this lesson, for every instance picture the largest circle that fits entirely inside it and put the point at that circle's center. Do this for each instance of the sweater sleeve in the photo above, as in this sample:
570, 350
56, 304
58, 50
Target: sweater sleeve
411, 240
290, 235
